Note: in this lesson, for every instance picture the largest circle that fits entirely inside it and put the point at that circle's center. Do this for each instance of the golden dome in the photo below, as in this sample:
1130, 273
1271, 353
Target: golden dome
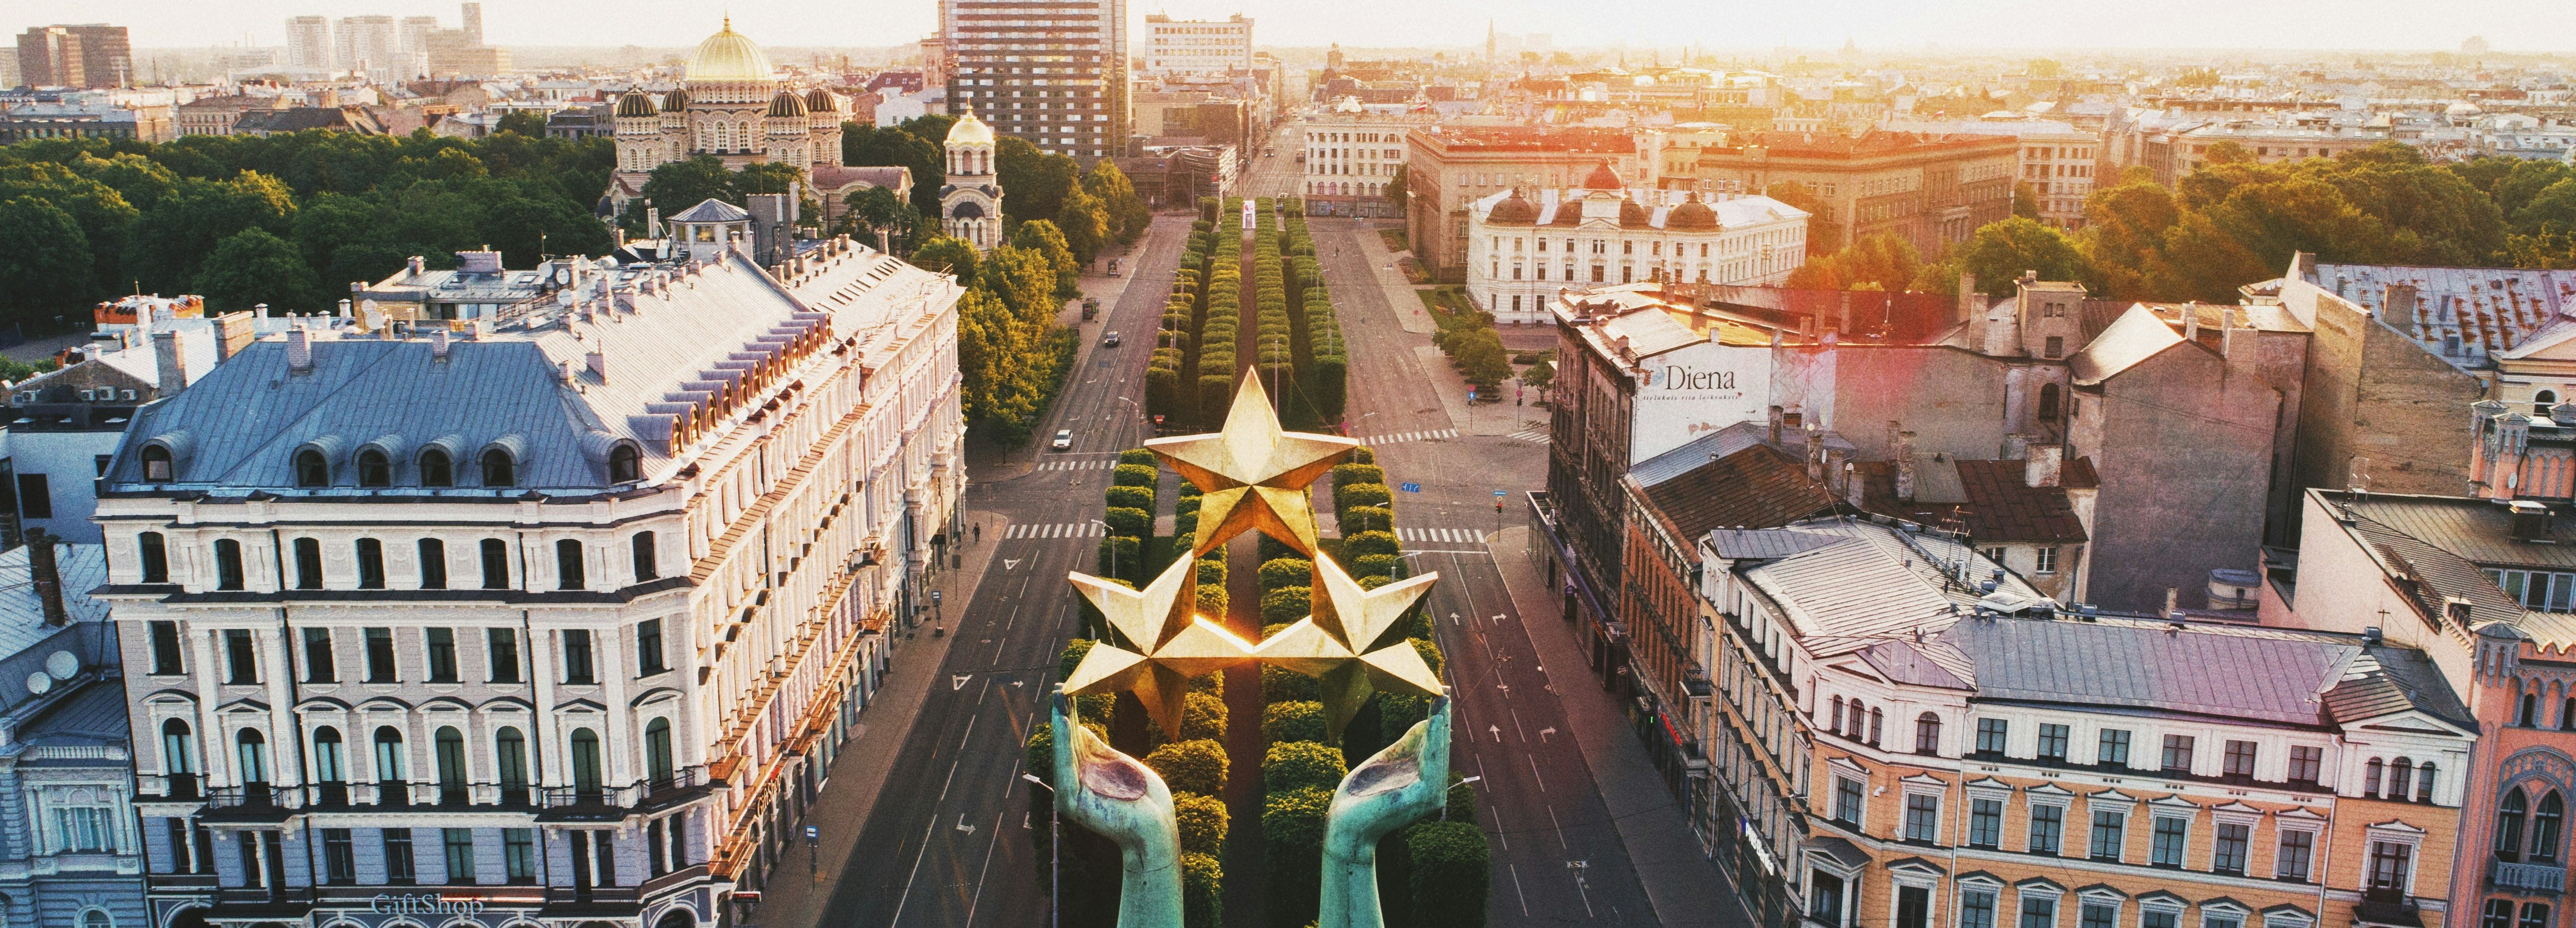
970, 131
728, 56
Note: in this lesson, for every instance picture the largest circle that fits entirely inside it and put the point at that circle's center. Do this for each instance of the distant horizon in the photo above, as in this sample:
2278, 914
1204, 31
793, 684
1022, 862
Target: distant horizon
1896, 27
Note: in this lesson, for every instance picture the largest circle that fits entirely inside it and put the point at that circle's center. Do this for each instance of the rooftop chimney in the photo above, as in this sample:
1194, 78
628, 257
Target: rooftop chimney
299, 349
598, 361
2191, 321
2398, 303
2044, 467
344, 311
48, 577
1905, 466
169, 363
438, 343
418, 265
1773, 436
1969, 298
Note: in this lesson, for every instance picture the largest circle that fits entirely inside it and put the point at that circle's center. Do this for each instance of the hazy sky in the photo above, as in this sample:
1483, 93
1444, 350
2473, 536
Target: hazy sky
2510, 25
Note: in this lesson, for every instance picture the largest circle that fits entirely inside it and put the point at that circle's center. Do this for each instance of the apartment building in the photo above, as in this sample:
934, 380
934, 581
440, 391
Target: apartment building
1180, 47
93, 57
1349, 155
1932, 191
573, 618
2057, 160
308, 43
1053, 72
1448, 168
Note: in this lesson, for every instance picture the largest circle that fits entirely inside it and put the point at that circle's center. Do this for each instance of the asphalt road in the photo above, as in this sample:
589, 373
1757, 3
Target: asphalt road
947, 844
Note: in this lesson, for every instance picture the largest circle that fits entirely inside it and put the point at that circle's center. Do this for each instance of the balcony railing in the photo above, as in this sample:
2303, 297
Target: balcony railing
2530, 878
629, 796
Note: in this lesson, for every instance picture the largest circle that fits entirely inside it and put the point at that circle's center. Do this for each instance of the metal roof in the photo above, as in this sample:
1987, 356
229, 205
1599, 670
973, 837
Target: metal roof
1875, 582
2134, 337
2474, 529
2464, 314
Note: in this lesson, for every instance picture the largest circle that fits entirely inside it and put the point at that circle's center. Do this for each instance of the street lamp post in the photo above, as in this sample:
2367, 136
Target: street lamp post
1055, 855
1110, 534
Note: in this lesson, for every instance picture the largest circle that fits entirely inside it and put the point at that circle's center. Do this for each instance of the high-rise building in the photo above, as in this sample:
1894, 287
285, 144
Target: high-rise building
367, 44
308, 43
89, 56
474, 23
1052, 72
1190, 46
413, 32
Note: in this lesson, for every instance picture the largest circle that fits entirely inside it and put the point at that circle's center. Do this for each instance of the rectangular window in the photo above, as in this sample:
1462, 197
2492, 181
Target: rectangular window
2047, 825
442, 654
2038, 912
1976, 909
2114, 748
1991, 734
2048, 559
2499, 914
165, 648
519, 854
2535, 915
459, 844
433, 564
2292, 861
2240, 760
242, 657
2052, 742
380, 656
318, 665
496, 564
34, 500
2096, 915
2177, 753
371, 564
576, 644
2159, 918
2221, 920
503, 645
2305, 763
2172, 833
398, 864
2228, 855
1985, 823
648, 648
339, 856
1922, 817
1847, 800
2110, 833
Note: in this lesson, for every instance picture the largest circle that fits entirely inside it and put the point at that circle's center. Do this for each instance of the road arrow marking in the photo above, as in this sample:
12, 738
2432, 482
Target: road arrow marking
1497, 731
958, 682
1010, 563
1544, 732
962, 826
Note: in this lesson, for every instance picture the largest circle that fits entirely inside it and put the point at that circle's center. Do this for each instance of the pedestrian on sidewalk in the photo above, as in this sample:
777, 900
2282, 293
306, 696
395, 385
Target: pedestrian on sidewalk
979, 533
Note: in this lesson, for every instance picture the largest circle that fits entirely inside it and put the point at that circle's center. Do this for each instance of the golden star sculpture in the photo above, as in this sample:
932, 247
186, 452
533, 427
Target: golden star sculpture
1253, 474
1178, 645
1352, 644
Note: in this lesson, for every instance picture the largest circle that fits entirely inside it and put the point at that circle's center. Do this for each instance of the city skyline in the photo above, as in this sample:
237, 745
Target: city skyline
1873, 25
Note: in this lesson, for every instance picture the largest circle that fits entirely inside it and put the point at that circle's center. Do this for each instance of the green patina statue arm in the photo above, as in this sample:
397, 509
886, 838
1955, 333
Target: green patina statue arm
1118, 798
1400, 786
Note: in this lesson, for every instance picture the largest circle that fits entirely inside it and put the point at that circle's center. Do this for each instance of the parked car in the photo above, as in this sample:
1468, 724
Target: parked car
1109, 340
1063, 440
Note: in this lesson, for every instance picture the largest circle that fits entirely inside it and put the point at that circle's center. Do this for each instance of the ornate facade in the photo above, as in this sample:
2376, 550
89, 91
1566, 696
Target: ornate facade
970, 204
730, 105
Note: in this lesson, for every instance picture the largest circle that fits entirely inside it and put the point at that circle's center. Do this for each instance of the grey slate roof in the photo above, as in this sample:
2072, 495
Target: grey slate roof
22, 616
711, 210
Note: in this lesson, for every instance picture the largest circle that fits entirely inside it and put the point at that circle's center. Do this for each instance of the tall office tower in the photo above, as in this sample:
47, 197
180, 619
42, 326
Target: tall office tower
368, 45
414, 32
1053, 72
474, 24
308, 43
91, 56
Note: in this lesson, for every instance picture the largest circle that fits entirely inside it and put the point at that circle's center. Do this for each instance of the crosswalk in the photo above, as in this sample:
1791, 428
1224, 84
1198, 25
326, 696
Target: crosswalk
1453, 536
1057, 530
1099, 464
1537, 435
1399, 437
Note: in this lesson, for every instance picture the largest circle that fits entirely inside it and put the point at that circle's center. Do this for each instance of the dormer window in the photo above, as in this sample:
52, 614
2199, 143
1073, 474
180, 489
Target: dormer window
156, 464
374, 470
436, 470
311, 470
498, 470
625, 464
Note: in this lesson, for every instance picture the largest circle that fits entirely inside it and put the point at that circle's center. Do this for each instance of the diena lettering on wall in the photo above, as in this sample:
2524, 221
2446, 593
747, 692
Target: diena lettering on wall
1683, 378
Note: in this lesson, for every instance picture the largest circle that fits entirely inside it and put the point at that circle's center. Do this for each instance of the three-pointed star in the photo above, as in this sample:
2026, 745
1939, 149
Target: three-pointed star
1177, 644
1354, 645
1253, 474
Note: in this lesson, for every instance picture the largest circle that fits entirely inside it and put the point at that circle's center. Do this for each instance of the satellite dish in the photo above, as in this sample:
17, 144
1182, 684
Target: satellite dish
62, 664
39, 682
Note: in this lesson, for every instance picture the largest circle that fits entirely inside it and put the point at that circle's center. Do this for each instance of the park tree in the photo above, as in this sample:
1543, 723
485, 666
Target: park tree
1084, 220
1034, 183
252, 267
866, 145
1399, 190
1128, 215
1042, 237
45, 263
1999, 252
879, 209
523, 122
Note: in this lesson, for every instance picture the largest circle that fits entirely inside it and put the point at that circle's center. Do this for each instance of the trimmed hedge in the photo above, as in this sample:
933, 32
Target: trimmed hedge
1292, 720
1290, 765
1195, 766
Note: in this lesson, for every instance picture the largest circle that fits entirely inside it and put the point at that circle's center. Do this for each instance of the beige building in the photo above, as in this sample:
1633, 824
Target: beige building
1929, 190
1197, 46
1449, 168
2057, 159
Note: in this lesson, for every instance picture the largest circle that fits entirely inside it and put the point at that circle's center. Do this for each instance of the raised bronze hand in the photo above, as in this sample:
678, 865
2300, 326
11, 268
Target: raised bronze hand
1125, 801
1398, 787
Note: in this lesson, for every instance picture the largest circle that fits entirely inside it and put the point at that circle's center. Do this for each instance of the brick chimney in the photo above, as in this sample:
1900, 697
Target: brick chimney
597, 359
1773, 436
438, 343
299, 350
2044, 467
48, 577
169, 363
1905, 466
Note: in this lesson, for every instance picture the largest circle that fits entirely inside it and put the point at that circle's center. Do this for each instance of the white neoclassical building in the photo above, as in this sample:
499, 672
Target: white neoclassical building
731, 105
1522, 247
970, 203
559, 609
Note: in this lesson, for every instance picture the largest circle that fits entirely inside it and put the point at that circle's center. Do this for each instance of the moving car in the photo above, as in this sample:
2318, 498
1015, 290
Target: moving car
1063, 440
1109, 340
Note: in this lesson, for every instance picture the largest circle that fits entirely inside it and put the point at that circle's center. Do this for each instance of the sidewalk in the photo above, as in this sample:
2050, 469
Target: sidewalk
858, 776
1685, 886
1399, 291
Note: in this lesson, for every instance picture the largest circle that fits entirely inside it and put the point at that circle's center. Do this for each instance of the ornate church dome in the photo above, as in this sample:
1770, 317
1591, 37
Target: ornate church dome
970, 131
1691, 216
677, 101
786, 105
1514, 210
819, 100
635, 103
729, 56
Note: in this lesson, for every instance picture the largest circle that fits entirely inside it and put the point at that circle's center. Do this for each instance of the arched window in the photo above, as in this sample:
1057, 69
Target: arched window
374, 470
2546, 822
2541, 401
1838, 715
1875, 717
2529, 715
252, 748
2508, 826
568, 575
308, 564
498, 470
433, 564
2048, 403
645, 569
625, 464
97, 918
510, 755
436, 470
2401, 777
311, 470
156, 464
228, 564
2567, 714
371, 564
585, 762
330, 761
657, 752
2370, 778
389, 765
496, 564
2424, 783
1852, 730
451, 764
1927, 734
156, 557
176, 756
